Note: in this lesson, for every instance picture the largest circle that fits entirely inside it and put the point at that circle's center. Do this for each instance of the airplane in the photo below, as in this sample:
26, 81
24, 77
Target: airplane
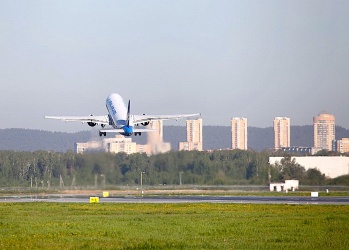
120, 118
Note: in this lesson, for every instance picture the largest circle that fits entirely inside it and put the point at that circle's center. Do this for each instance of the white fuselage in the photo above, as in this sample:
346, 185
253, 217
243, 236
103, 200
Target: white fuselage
117, 110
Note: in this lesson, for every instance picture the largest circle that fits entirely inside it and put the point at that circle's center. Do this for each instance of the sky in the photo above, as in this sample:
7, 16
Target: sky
245, 58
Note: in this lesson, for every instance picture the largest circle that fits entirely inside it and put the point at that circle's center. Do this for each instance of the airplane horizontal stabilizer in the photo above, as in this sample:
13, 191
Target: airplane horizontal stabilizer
112, 130
136, 130
143, 130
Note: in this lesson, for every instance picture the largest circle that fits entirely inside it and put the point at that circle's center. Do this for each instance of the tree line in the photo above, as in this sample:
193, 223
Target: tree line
227, 167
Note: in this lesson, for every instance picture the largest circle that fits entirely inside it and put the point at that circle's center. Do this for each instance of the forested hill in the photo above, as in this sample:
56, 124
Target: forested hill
214, 137
34, 140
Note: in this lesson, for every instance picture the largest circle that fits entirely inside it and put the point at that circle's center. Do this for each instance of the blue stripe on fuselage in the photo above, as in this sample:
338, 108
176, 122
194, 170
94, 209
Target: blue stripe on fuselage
110, 103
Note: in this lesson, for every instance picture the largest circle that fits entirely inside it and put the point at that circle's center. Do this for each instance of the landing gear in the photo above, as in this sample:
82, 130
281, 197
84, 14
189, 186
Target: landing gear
102, 133
138, 133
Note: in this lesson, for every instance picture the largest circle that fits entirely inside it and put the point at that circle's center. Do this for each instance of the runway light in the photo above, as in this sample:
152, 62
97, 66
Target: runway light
94, 199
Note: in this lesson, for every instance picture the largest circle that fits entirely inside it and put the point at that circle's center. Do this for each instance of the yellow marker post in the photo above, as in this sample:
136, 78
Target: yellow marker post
105, 194
94, 199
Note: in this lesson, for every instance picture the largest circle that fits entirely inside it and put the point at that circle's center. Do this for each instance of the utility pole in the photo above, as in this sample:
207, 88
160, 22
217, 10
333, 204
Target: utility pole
103, 181
180, 178
73, 181
142, 172
61, 183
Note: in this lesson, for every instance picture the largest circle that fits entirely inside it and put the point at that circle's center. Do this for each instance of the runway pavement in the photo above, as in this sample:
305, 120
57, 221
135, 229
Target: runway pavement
337, 200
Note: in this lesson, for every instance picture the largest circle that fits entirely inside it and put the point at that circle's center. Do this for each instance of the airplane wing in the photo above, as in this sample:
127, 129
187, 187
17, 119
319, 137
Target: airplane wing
101, 119
147, 118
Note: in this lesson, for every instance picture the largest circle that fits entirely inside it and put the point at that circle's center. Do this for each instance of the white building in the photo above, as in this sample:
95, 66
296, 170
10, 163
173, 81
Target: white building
239, 133
194, 136
119, 144
155, 142
81, 147
341, 146
324, 131
331, 166
282, 132
113, 145
291, 185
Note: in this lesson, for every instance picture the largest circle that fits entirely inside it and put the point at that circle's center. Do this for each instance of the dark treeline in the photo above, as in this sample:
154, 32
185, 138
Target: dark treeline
230, 167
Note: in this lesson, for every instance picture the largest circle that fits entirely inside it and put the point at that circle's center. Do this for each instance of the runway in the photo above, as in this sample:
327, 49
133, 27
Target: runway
335, 200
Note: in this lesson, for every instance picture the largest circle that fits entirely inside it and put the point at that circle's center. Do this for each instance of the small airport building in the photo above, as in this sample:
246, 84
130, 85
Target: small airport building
290, 185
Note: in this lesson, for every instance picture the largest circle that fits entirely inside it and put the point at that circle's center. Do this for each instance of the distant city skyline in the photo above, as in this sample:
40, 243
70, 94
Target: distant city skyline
323, 128
223, 59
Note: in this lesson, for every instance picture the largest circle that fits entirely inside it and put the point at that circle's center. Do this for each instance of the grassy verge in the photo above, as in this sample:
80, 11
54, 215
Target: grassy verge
172, 226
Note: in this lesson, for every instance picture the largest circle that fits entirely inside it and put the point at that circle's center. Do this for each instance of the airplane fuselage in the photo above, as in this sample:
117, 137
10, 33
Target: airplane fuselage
118, 114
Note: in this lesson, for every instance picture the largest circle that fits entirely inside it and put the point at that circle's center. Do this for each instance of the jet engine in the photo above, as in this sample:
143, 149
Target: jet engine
145, 123
91, 124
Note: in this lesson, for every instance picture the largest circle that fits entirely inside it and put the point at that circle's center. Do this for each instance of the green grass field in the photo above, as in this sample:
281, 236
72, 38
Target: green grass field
172, 226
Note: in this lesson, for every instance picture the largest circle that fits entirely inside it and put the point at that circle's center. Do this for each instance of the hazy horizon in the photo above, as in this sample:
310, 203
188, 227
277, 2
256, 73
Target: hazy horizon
94, 131
253, 59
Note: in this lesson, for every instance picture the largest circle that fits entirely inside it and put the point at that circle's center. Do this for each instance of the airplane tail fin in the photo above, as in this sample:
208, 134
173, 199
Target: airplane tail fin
128, 113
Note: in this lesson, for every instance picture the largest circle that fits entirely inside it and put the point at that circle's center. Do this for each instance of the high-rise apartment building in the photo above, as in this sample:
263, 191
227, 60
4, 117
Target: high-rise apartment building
281, 132
341, 146
157, 126
194, 136
239, 133
324, 131
155, 139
